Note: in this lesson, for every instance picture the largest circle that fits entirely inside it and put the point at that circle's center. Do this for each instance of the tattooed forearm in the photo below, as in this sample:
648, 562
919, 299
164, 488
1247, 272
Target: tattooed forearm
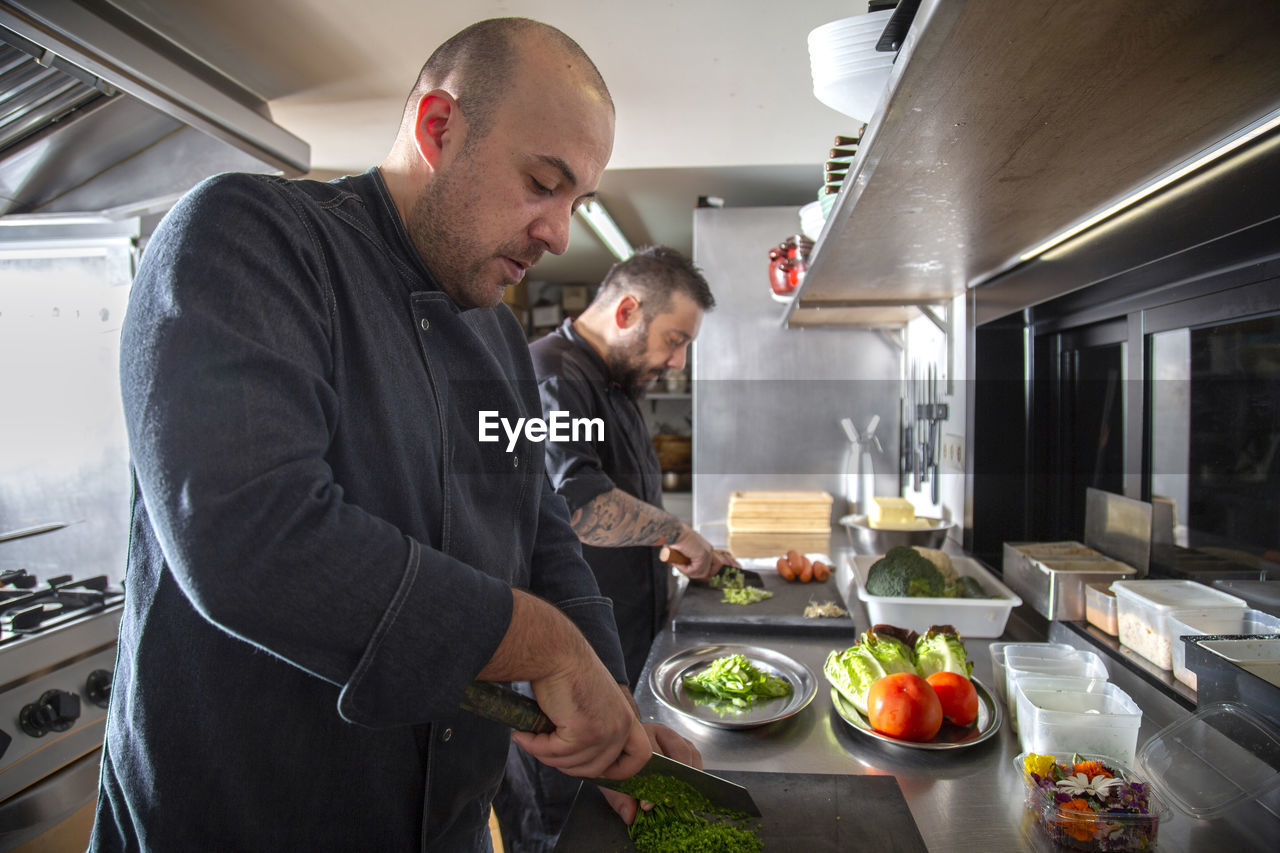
616, 519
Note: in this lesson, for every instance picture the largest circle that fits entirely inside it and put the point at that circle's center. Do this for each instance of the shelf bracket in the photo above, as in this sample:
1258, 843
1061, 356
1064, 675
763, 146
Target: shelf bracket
945, 325
894, 338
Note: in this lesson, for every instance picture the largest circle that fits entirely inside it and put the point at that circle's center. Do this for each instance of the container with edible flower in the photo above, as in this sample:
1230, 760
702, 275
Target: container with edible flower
1089, 802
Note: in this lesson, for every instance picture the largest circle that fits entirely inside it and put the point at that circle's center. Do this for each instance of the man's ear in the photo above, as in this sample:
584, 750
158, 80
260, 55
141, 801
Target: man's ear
627, 312
437, 126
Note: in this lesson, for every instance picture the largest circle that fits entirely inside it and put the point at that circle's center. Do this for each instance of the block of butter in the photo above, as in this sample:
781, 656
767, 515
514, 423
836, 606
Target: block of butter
891, 513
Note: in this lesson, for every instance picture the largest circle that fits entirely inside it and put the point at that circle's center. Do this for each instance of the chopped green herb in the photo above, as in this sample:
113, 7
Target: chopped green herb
665, 830
738, 681
684, 821
744, 595
722, 707
729, 577
666, 791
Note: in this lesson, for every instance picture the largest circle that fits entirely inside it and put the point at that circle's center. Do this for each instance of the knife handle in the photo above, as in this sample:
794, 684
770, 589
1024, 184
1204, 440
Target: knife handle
672, 556
503, 705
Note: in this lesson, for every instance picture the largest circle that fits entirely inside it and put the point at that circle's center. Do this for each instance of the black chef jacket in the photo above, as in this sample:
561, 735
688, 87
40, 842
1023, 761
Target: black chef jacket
573, 378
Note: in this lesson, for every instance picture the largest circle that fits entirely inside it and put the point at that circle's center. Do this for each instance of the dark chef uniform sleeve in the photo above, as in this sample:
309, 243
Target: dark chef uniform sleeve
573, 466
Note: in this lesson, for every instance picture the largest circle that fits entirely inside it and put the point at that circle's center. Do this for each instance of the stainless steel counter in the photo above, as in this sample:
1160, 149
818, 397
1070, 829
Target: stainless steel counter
962, 800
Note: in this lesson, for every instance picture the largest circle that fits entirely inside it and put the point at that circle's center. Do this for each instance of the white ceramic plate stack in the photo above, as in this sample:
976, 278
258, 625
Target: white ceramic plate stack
812, 219
849, 74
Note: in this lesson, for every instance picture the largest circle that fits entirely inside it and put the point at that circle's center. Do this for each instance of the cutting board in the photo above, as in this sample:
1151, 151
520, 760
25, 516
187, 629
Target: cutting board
799, 811
779, 512
701, 609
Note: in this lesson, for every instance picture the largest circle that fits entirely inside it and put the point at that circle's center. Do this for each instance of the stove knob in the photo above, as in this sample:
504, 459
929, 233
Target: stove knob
54, 711
98, 687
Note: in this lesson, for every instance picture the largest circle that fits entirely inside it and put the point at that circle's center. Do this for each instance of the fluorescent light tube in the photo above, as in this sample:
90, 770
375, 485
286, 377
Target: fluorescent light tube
598, 219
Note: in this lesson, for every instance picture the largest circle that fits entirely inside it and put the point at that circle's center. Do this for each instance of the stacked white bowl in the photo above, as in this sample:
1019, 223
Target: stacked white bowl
812, 219
849, 74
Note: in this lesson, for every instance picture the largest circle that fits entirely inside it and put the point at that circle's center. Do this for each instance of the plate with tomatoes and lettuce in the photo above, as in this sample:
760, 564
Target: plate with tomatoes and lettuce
912, 690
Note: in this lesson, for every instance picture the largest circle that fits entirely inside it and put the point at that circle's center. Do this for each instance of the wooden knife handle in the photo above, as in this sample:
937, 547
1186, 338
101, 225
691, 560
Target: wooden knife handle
503, 705
670, 555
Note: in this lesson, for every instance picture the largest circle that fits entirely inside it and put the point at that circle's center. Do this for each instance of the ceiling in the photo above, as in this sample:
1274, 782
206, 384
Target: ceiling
713, 97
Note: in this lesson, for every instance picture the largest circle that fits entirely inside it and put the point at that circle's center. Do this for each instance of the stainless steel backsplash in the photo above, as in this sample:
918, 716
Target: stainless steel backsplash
768, 400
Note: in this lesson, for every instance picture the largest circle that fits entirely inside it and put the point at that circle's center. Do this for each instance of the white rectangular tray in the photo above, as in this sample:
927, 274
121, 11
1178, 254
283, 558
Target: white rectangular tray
972, 617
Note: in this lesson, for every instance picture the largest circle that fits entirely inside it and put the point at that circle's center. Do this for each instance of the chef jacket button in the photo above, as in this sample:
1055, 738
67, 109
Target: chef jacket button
447, 734
426, 324
515, 461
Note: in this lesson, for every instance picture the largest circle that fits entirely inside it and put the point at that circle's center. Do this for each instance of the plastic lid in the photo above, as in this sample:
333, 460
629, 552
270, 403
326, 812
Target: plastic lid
998, 649
1175, 595
1218, 757
1223, 621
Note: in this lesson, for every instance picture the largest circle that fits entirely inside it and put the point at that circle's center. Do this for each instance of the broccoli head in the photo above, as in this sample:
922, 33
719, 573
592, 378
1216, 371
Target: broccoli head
903, 571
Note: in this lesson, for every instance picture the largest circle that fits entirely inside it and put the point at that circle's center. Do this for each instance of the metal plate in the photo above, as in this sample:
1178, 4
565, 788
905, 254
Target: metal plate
990, 716
667, 682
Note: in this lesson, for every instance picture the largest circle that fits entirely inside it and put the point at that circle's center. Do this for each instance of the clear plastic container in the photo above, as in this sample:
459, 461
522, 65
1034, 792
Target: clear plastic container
1227, 622
1103, 721
1143, 608
1042, 660
1209, 762
997, 665
1053, 826
1100, 607
1067, 683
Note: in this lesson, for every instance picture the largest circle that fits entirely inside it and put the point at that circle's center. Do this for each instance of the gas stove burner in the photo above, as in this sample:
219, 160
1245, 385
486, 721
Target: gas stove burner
31, 610
19, 578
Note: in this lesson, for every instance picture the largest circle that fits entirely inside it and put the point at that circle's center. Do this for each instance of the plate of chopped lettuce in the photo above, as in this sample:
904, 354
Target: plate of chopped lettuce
733, 686
885, 650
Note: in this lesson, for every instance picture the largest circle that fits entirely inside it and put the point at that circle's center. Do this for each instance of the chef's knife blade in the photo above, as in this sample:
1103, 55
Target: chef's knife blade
35, 530
503, 705
750, 578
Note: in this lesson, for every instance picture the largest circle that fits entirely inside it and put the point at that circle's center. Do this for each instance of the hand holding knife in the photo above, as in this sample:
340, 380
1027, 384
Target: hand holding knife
503, 705
730, 566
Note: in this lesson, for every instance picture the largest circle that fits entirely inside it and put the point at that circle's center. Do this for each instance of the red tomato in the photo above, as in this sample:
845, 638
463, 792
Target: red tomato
959, 699
903, 705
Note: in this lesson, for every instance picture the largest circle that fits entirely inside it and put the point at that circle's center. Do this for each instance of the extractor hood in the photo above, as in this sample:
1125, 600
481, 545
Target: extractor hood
99, 115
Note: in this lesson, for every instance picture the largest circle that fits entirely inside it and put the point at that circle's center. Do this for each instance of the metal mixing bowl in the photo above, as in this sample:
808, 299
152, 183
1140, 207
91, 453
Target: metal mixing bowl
871, 540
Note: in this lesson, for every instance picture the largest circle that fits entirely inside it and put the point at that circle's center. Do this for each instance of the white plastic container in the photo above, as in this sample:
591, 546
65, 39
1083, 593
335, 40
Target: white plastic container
972, 617
1100, 607
1104, 721
1228, 622
1143, 608
1062, 683
998, 677
1072, 663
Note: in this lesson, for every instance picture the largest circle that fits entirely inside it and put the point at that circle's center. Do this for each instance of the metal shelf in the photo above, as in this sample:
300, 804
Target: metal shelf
1004, 124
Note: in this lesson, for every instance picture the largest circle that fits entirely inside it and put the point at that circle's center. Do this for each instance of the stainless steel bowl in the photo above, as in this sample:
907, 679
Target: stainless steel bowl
871, 540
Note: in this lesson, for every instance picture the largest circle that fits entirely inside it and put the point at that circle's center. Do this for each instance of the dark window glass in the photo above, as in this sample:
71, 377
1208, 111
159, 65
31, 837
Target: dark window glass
1215, 434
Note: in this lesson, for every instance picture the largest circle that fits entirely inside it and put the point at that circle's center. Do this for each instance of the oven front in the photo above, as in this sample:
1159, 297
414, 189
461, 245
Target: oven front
54, 688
